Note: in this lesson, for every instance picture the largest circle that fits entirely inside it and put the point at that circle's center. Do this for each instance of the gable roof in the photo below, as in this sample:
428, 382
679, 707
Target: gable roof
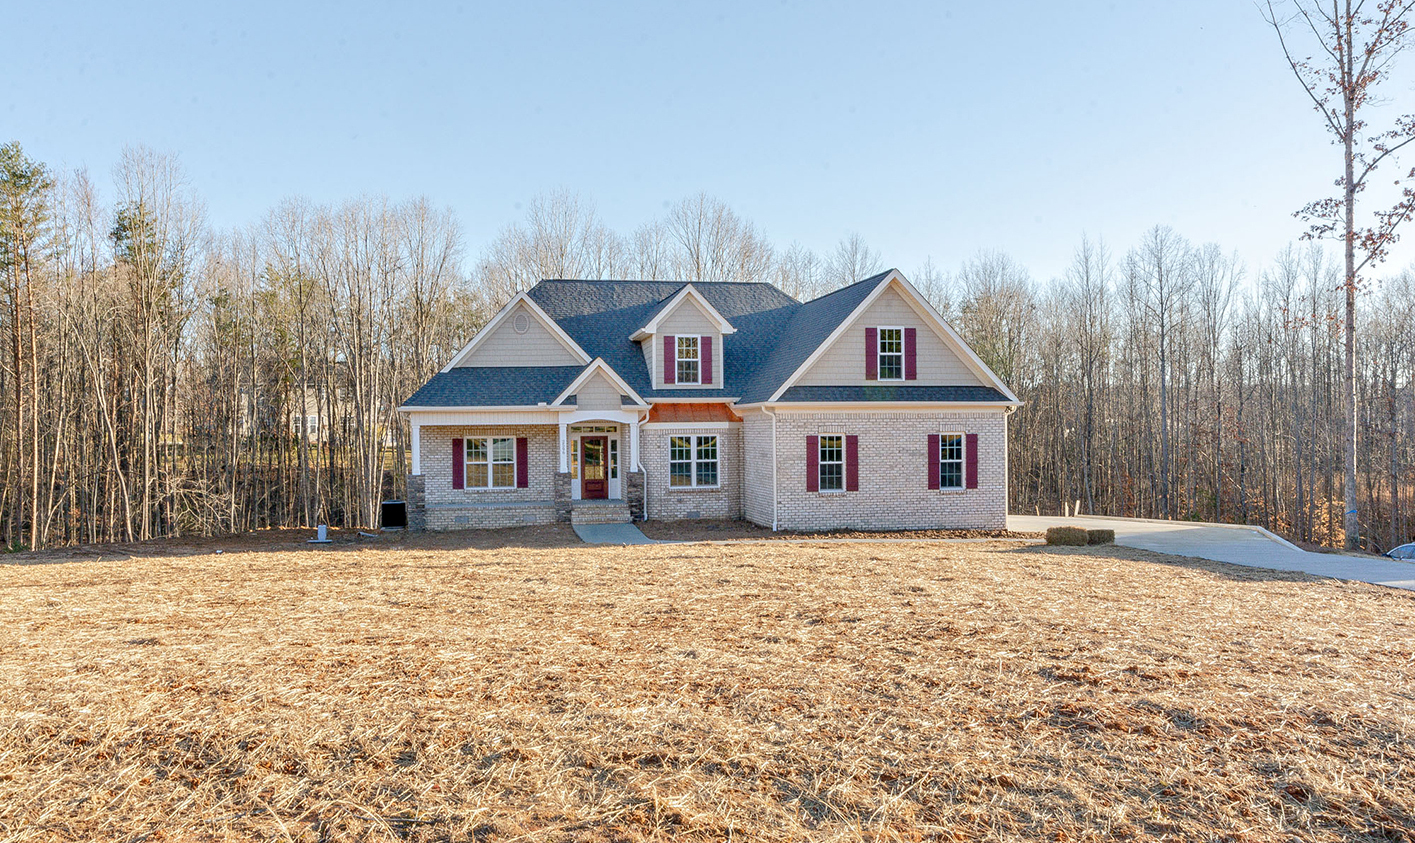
776, 339
490, 327
601, 315
690, 293
809, 327
627, 394
916, 300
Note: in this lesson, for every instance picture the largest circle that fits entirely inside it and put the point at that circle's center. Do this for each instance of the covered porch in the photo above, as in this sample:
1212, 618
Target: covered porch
518, 467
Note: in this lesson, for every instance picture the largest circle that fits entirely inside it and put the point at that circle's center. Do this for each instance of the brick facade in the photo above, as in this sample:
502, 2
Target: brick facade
447, 508
893, 471
893, 475
669, 503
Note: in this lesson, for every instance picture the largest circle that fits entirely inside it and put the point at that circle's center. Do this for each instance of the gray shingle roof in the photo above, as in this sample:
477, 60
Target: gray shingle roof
494, 386
600, 316
892, 392
775, 335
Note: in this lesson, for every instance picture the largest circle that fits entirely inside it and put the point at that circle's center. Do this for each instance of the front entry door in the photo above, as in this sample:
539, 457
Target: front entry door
594, 474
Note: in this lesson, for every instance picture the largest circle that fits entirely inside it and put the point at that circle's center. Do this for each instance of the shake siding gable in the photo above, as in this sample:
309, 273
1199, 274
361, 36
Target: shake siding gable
536, 347
935, 362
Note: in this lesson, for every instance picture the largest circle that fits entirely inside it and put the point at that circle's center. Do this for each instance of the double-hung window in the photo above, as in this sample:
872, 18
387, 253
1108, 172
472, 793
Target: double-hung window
491, 463
832, 463
688, 359
950, 461
692, 461
891, 354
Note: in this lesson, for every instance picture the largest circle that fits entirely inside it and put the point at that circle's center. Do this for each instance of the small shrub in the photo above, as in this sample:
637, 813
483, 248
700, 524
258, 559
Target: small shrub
1074, 536
1100, 537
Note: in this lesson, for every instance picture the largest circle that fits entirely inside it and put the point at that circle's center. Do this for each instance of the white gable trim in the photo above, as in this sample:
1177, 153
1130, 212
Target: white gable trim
926, 311
487, 329
599, 366
688, 291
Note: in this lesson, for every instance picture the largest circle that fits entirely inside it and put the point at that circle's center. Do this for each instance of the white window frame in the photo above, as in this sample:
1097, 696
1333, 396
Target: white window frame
821, 463
880, 353
491, 462
695, 444
679, 359
962, 461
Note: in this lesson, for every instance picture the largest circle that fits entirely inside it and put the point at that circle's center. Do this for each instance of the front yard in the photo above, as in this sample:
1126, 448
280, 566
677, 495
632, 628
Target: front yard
765, 691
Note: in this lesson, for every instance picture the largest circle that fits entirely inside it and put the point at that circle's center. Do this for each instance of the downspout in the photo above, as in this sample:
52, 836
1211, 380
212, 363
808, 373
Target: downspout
766, 410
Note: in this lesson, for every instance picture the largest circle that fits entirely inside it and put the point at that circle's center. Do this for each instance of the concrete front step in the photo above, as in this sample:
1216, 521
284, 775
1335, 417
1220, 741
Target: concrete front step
599, 512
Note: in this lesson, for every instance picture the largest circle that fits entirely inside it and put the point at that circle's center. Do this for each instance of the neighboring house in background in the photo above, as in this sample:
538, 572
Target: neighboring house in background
610, 400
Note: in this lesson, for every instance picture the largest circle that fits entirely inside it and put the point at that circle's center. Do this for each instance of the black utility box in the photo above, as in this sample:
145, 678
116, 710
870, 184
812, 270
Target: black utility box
395, 515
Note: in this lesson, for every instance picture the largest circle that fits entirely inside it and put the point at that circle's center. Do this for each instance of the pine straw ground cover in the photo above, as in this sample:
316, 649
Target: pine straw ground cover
759, 691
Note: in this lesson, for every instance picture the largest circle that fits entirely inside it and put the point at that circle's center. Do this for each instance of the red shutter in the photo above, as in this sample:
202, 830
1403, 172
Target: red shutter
813, 463
871, 354
933, 460
911, 356
523, 463
670, 360
706, 365
458, 454
852, 463
972, 461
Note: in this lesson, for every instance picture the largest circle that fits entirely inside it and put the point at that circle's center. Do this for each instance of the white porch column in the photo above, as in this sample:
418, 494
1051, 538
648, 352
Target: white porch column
564, 446
417, 445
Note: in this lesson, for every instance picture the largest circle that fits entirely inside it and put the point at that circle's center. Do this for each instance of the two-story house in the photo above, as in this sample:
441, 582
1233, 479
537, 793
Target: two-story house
594, 401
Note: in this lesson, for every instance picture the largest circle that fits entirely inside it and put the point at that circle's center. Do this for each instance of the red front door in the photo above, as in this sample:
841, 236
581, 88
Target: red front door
594, 467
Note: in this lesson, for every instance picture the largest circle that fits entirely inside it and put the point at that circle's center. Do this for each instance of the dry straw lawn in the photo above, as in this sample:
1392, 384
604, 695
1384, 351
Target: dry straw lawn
757, 691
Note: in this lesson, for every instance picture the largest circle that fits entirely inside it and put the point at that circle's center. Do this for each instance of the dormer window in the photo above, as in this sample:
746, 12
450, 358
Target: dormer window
891, 354
688, 369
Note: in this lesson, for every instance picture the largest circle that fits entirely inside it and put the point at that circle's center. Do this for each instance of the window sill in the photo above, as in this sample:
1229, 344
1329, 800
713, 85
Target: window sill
716, 488
489, 489
831, 493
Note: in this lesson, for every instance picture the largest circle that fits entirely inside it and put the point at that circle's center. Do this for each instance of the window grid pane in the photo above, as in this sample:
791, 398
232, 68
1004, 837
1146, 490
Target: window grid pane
476, 475
687, 360
476, 450
950, 461
832, 463
503, 450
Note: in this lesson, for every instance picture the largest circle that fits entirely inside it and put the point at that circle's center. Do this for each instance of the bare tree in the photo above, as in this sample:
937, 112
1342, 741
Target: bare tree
1358, 41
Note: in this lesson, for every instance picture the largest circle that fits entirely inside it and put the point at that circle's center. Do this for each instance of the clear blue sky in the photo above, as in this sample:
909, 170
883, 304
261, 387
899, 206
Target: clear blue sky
932, 129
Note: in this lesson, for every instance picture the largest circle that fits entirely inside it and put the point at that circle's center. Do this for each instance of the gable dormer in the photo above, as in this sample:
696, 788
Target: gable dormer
682, 342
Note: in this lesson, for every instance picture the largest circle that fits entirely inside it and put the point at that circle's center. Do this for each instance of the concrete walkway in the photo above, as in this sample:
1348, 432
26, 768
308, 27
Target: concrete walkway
1236, 544
611, 534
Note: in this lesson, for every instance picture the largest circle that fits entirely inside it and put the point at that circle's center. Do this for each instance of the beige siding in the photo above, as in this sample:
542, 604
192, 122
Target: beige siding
598, 393
843, 364
536, 347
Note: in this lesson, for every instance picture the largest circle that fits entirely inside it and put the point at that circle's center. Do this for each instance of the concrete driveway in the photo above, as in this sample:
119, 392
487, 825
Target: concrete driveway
1232, 543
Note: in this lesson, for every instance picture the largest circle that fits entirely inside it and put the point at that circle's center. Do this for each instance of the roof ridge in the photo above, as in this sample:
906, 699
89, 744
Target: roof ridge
875, 278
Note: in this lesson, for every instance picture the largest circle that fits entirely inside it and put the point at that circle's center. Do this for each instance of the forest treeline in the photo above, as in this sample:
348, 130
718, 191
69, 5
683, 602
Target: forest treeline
160, 377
